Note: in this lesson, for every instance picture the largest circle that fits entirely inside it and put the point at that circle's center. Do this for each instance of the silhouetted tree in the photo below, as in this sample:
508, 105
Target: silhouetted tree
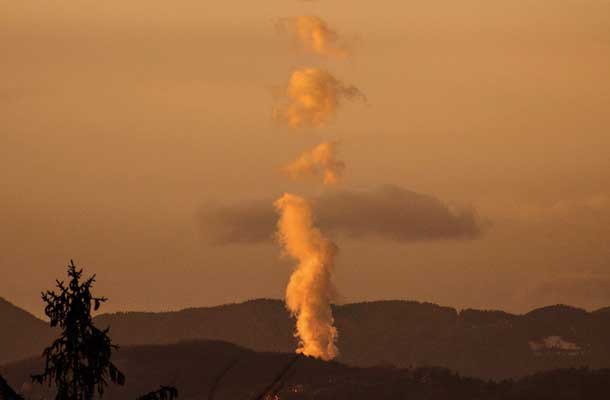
78, 362
164, 393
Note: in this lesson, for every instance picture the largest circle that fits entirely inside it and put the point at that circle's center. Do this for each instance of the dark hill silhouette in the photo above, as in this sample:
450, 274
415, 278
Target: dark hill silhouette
223, 371
603, 310
21, 334
487, 344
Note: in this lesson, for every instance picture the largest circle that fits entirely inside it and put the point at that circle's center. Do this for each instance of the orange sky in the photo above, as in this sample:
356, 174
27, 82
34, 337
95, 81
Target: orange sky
120, 121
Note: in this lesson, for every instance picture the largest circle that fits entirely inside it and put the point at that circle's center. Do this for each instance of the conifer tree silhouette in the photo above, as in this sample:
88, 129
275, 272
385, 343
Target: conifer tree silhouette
78, 362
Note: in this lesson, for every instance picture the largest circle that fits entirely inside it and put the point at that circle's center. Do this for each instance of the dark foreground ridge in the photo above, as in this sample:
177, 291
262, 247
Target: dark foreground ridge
7, 392
223, 371
485, 344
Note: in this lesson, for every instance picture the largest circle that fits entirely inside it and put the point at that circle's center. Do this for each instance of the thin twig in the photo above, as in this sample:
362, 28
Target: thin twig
279, 377
219, 377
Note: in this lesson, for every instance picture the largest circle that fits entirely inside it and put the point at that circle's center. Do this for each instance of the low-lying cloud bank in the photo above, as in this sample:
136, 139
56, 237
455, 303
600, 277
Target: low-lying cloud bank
387, 212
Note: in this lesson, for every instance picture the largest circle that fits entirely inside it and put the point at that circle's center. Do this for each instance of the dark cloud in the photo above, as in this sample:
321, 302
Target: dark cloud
239, 223
388, 212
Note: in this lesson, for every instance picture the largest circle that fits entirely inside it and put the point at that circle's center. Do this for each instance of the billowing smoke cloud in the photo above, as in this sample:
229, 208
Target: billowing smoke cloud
315, 36
321, 161
388, 212
310, 290
312, 97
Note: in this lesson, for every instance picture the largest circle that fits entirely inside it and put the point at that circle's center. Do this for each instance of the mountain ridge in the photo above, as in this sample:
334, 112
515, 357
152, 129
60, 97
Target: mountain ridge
388, 332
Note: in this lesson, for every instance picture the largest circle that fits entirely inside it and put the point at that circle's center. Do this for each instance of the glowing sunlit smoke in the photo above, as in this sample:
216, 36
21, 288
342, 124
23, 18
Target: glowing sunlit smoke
312, 97
319, 161
315, 36
310, 290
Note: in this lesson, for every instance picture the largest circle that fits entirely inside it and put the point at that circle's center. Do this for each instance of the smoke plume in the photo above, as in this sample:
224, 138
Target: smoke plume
387, 212
310, 290
315, 36
321, 161
312, 97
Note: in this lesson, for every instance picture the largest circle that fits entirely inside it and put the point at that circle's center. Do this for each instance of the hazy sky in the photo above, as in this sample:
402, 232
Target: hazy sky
123, 122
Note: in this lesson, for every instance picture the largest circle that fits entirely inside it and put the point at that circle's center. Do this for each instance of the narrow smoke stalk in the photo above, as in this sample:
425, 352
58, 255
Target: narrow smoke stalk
310, 290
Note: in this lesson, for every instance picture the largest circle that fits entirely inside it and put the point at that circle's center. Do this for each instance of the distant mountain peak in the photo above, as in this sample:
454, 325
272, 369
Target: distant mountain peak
26, 334
9, 309
558, 309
